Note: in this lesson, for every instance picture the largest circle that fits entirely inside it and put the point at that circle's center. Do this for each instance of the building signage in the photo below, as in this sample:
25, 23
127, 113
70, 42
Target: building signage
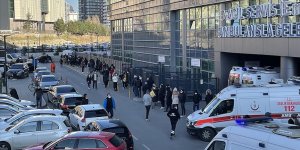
268, 10
161, 59
195, 62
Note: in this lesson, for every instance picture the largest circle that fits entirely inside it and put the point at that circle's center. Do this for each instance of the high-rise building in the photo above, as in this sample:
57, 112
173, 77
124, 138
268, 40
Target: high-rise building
207, 37
71, 15
20, 10
89, 8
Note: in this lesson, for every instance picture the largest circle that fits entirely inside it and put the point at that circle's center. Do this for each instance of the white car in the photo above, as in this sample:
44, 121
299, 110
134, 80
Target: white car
34, 130
47, 81
26, 114
82, 115
23, 102
39, 69
7, 111
15, 105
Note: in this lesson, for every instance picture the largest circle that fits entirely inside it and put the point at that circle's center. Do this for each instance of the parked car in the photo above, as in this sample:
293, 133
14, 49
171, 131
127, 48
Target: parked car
15, 105
56, 91
34, 130
19, 70
13, 120
69, 101
85, 140
82, 115
47, 81
40, 73
7, 111
114, 126
38, 69
44, 59
23, 102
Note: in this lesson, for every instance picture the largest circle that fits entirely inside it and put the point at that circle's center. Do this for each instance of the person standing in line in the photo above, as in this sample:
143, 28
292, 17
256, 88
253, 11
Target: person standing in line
105, 77
115, 79
145, 88
38, 93
168, 98
13, 93
196, 100
208, 96
95, 78
174, 116
154, 95
89, 80
182, 99
139, 86
82, 66
175, 99
109, 105
147, 102
162, 95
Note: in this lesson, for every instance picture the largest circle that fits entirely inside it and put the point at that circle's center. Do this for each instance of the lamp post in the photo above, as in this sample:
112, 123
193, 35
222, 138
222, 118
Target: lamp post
5, 61
28, 46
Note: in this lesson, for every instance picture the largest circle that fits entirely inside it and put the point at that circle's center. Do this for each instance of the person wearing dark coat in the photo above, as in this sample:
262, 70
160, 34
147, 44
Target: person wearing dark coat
105, 77
208, 96
13, 93
145, 88
174, 116
162, 95
168, 98
85, 100
155, 98
38, 93
182, 99
196, 100
89, 80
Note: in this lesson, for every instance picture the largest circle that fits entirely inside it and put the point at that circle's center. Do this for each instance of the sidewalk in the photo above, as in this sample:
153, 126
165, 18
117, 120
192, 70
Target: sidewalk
128, 92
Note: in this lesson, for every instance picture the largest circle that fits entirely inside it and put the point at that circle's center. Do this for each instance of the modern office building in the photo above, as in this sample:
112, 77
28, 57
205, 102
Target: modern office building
15, 12
71, 15
89, 8
207, 37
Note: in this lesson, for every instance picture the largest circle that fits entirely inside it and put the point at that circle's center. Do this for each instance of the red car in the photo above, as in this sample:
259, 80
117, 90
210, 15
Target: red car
85, 140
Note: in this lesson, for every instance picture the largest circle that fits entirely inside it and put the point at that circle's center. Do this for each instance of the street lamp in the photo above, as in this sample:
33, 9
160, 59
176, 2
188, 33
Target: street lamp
27, 46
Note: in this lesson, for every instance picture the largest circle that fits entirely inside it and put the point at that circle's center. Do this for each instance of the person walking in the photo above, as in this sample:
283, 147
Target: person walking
196, 100
162, 95
182, 99
109, 105
105, 77
147, 102
52, 67
13, 93
208, 96
82, 66
89, 80
174, 116
168, 98
115, 80
175, 99
85, 100
38, 93
95, 79
154, 95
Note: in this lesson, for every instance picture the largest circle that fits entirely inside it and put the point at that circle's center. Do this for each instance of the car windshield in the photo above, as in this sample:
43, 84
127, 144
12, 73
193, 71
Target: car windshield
72, 100
44, 73
211, 105
48, 79
95, 113
16, 67
115, 130
8, 128
66, 90
40, 69
11, 119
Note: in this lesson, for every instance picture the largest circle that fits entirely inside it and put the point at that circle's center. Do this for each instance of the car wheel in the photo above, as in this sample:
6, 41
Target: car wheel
4, 146
207, 134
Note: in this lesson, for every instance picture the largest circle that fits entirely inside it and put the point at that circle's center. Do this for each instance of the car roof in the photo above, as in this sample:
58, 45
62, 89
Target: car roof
92, 134
6, 106
41, 68
45, 117
54, 111
48, 76
62, 86
91, 107
70, 95
41, 71
110, 123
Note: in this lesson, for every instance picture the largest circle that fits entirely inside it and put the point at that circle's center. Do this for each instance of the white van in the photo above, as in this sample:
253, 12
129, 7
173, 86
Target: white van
281, 100
257, 136
252, 76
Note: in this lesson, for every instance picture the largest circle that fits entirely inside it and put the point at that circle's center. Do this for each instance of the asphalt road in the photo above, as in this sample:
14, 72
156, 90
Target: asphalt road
152, 135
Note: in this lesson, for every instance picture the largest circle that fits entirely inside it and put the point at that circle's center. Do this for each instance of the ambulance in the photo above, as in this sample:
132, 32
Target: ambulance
257, 136
252, 76
235, 102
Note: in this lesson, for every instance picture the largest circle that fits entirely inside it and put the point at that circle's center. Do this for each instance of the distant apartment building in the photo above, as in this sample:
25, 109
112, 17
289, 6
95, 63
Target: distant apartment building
42, 13
89, 8
70, 14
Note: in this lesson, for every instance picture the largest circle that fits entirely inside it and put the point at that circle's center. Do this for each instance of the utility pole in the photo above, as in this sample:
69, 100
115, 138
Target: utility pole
28, 46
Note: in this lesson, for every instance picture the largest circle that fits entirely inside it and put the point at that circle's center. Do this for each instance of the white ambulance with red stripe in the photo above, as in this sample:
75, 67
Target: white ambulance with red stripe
232, 103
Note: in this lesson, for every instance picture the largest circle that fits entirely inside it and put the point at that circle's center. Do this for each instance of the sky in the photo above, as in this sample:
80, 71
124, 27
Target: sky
74, 3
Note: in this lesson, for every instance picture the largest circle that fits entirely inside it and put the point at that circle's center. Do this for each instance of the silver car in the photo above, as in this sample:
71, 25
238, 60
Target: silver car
47, 81
23, 102
13, 120
34, 130
39, 69
7, 111
15, 105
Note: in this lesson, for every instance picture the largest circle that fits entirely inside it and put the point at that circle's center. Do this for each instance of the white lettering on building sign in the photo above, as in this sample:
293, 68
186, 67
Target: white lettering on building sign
283, 9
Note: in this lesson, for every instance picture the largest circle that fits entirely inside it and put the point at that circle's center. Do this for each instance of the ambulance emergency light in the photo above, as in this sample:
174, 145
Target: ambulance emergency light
246, 121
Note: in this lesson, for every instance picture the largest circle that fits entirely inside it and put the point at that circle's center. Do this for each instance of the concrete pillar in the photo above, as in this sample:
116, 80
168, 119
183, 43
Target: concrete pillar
4, 17
287, 67
123, 46
173, 41
184, 38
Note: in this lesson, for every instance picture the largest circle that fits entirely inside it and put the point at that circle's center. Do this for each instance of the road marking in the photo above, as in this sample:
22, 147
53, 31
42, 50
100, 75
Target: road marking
147, 148
135, 138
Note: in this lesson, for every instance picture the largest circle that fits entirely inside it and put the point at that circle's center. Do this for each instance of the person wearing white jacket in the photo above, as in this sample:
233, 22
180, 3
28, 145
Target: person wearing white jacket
175, 99
115, 80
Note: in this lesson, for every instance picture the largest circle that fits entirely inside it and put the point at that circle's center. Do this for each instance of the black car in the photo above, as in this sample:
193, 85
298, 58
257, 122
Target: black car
44, 59
18, 70
114, 126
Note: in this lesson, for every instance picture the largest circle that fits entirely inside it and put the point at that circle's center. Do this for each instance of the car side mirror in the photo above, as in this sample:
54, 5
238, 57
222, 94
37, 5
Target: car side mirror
16, 132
